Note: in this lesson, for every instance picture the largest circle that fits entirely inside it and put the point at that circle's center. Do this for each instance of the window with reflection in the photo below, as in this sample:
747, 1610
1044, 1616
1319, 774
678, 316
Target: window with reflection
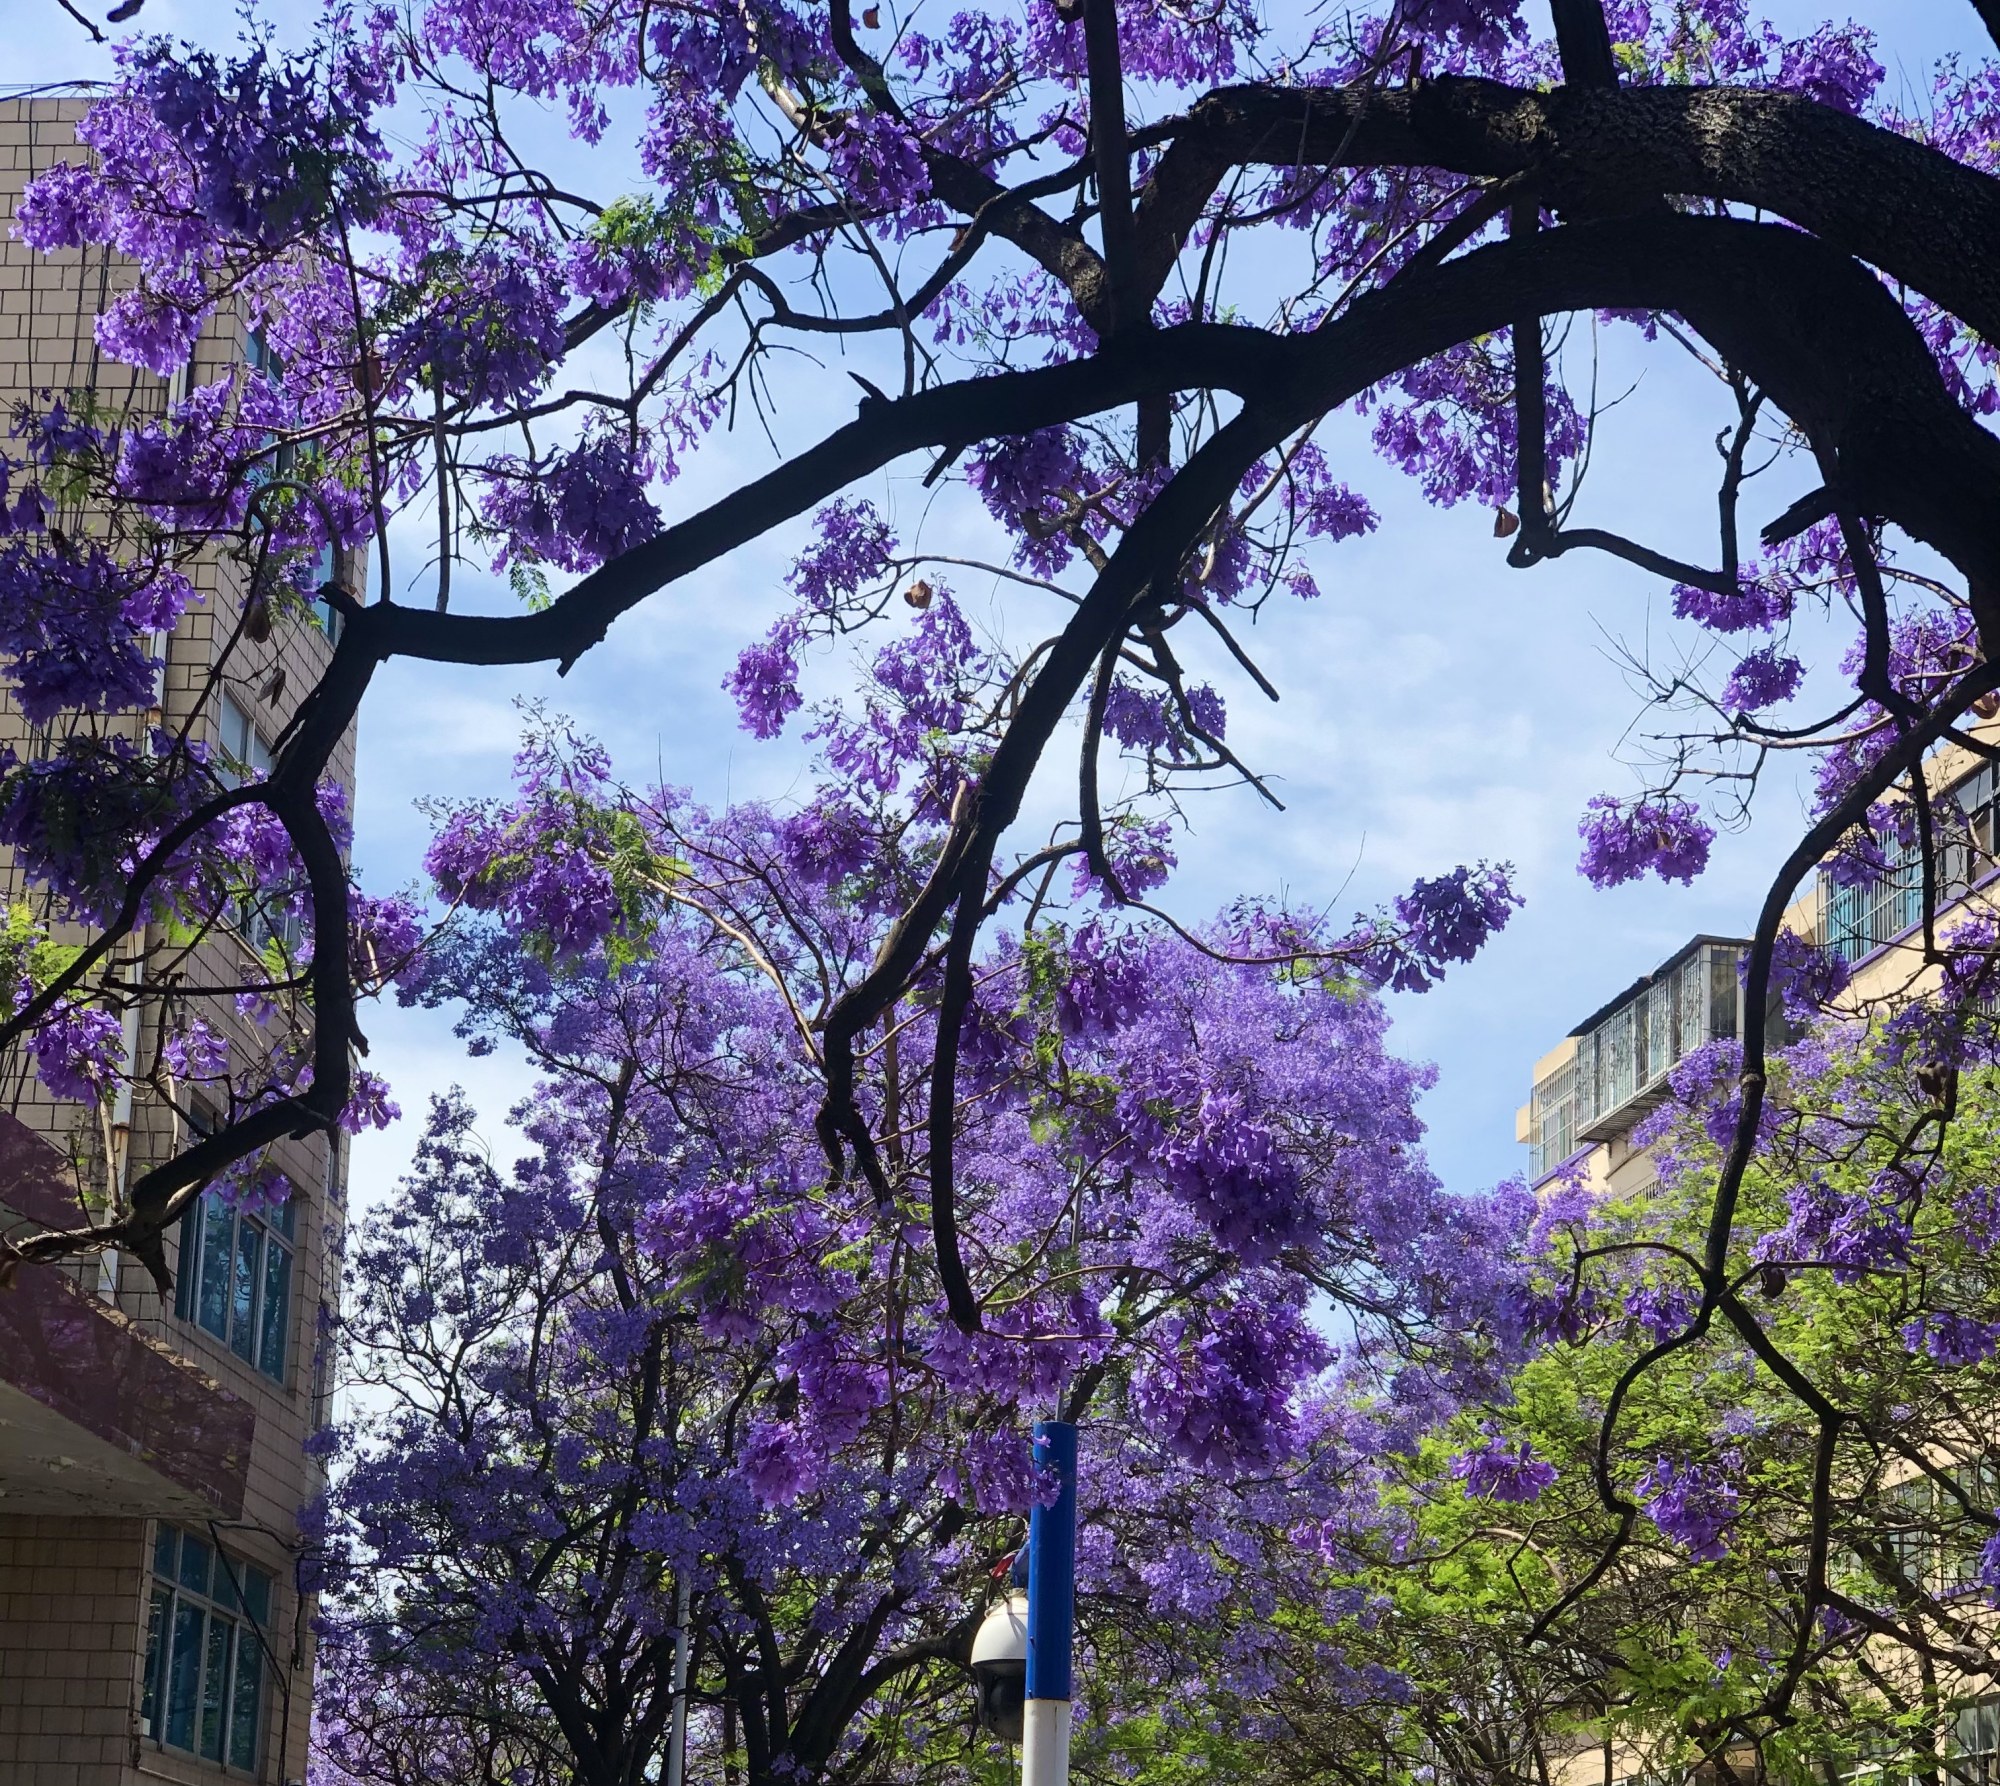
236, 1276
206, 1634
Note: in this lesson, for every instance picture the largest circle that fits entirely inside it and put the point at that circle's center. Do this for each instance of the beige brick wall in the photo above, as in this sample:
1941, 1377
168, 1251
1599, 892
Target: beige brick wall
46, 308
72, 1643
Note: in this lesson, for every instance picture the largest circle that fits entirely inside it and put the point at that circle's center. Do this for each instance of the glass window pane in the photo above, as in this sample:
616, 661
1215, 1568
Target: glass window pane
1688, 1036
285, 1217
165, 1541
215, 1687
243, 1701
1660, 1018
212, 1294
184, 1675
257, 1594
243, 1288
274, 1317
158, 1622
190, 1265
194, 1564
1722, 993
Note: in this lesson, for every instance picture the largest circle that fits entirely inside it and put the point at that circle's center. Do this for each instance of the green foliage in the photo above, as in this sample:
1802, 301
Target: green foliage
28, 953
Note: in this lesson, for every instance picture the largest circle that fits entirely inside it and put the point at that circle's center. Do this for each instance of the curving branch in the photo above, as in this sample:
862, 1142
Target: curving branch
1916, 213
1816, 332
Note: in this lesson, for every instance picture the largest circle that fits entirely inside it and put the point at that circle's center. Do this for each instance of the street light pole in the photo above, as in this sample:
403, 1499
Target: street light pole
677, 1741
1051, 1612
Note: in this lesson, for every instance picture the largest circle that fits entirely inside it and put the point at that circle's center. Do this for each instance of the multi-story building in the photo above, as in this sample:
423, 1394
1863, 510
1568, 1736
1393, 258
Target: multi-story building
1592, 1088
153, 1452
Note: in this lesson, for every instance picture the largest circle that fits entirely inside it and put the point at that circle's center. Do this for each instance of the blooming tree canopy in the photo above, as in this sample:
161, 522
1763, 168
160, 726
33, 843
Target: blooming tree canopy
1063, 222
662, 1366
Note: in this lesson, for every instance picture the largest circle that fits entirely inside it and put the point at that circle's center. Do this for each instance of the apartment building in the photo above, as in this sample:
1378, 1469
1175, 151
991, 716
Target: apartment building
1591, 1090
153, 1455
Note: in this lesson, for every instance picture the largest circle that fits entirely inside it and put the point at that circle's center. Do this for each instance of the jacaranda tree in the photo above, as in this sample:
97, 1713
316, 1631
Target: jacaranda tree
1119, 263
660, 1369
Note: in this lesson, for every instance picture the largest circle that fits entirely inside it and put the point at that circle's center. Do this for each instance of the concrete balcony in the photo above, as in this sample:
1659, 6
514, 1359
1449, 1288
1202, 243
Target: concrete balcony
97, 1417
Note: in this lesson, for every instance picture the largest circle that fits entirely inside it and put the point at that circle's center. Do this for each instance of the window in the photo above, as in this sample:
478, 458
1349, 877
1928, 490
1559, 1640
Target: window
1927, 1531
236, 1278
1976, 1743
1553, 1116
1857, 920
247, 758
326, 569
204, 1685
1627, 1050
261, 362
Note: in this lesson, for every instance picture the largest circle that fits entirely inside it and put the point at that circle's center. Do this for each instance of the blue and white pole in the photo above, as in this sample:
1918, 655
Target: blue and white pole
1051, 1612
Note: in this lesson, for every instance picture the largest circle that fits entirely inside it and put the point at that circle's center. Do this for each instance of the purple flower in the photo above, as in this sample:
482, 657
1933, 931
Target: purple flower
1663, 1310
78, 1050
576, 509
1954, 1340
851, 549
876, 162
1765, 678
1693, 1504
195, 1051
765, 681
777, 1463
1757, 606
1623, 839
1806, 976
1499, 1471
1448, 919
1222, 1401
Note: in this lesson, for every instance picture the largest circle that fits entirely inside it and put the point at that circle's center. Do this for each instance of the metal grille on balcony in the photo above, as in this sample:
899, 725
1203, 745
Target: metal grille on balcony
1857, 917
1626, 1050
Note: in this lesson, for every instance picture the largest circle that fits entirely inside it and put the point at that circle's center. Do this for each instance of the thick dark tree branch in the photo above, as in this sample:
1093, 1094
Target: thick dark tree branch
1124, 307
1921, 216
1820, 335
1583, 40
1531, 412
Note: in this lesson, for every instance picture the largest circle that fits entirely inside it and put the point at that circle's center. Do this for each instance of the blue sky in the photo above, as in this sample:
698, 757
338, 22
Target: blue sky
1437, 708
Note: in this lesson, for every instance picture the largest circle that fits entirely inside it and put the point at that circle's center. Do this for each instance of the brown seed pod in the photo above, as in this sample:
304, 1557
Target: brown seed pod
918, 595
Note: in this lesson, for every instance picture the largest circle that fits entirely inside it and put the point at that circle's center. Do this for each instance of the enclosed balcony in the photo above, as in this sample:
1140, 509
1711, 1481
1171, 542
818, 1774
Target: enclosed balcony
1616, 1068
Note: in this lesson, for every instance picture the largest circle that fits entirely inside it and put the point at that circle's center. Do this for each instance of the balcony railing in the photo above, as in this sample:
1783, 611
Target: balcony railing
1626, 1050
1859, 915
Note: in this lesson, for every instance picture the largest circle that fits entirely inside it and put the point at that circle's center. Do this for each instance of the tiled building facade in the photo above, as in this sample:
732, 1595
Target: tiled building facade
153, 1453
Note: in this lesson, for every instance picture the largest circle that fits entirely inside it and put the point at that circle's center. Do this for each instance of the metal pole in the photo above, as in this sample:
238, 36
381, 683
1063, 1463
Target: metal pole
677, 1742
1051, 1612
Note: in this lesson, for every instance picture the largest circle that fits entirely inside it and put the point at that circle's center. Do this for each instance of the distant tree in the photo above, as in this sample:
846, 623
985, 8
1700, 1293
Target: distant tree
661, 1356
1755, 1553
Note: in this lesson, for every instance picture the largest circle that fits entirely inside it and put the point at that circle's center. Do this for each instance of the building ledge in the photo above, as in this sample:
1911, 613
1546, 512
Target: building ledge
96, 1415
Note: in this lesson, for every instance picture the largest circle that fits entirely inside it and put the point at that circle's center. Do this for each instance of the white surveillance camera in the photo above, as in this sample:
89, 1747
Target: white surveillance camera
1000, 1667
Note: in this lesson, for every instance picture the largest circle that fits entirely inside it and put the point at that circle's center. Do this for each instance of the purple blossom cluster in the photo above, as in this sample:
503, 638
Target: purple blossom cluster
1625, 839
1503, 1470
1694, 1504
